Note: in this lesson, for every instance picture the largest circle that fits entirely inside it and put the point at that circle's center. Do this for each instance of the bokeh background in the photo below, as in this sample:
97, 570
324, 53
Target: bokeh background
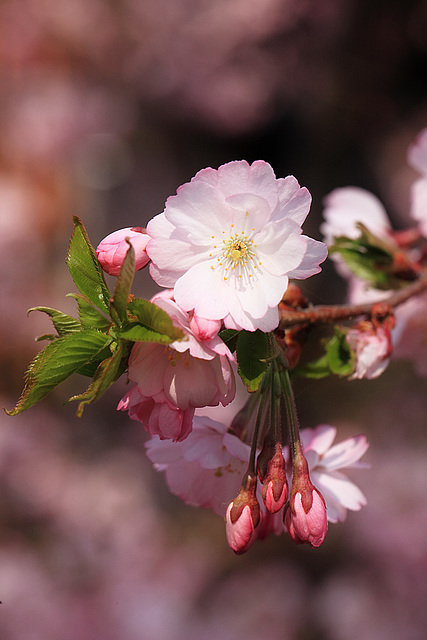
106, 107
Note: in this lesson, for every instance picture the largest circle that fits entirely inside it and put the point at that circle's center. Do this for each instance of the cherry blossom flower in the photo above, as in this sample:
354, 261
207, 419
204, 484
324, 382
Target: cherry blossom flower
417, 158
347, 206
112, 250
372, 347
229, 241
326, 463
207, 468
171, 381
410, 335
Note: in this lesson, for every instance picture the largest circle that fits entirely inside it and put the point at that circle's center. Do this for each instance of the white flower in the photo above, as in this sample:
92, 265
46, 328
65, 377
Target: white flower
228, 242
326, 463
417, 158
347, 206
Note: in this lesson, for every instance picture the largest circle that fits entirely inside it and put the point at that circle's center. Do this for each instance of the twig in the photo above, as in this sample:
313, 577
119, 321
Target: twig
333, 313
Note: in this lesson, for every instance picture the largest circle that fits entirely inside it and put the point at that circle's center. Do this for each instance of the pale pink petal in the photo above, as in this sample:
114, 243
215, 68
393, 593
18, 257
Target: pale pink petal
345, 454
251, 213
208, 452
349, 205
238, 449
163, 452
419, 203
336, 487
294, 201
417, 153
198, 211
320, 439
200, 288
315, 253
281, 247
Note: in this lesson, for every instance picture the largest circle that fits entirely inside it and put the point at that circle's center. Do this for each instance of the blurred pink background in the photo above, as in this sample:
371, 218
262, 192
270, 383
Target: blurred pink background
106, 107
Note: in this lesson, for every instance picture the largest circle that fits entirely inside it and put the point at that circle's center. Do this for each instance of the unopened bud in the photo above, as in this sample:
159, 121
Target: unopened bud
242, 517
305, 516
275, 485
204, 329
112, 250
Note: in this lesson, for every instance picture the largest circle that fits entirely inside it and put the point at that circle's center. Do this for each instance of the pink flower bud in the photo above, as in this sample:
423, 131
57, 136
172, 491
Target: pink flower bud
307, 523
372, 348
242, 517
112, 250
275, 486
204, 329
305, 516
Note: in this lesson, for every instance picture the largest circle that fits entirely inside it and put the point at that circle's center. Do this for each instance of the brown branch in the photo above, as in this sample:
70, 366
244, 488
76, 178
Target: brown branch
333, 313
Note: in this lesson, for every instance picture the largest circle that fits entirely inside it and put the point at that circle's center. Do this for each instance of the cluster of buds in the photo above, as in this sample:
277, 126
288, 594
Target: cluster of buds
302, 510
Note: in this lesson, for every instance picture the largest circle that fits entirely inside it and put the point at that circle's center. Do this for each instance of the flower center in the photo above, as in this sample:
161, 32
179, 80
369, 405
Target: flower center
236, 256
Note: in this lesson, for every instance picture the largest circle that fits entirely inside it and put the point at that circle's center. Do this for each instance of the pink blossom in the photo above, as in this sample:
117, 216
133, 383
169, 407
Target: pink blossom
206, 469
112, 250
326, 463
158, 415
229, 241
372, 349
347, 206
171, 381
410, 334
307, 523
417, 158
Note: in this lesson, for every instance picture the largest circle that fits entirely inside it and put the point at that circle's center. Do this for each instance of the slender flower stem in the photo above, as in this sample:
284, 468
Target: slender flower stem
333, 313
291, 411
252, 465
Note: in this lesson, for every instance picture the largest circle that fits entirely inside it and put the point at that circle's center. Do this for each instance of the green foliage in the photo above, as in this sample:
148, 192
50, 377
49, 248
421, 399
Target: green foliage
106, 374
90, 317
369, 258
119, 301
148, 323
85, 268
63, 323
253, 351
230, 336
56, 362
98, 343
338, 359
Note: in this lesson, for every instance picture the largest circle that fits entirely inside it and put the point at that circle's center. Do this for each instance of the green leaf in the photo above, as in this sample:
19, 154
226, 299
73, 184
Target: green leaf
338, 359
252, 354
230, 336
89, 369
340, 356
369, 258
85, 268
151, 324
317, 369
119, 301
106, 374
63, 323
89, 315
56, 362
